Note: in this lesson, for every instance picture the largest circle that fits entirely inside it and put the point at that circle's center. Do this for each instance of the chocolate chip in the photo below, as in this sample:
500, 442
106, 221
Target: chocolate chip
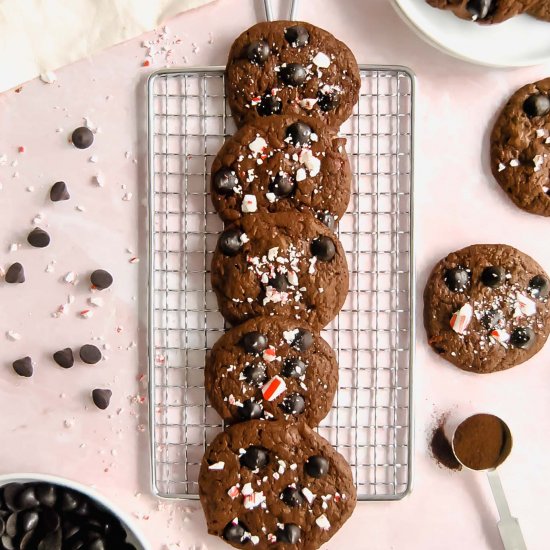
327, 219
2, 526
101, 279
297, 36
15, 274
255, 374
316, 466
493, 276
101, 398
50, 519
235, 532
299, 133
457, 279
10, 492
290, 533
537, 105
46, 495
38, 238
7, 543
278, 282
282, 185
293, 368
258, 52
522, 337
323, 248
269, 105
230, 242
254, 342
293, 74
29, 520
250, 410
292, 497
69, 502
11, 524
64, 358
328, 101
255, 458
90, 354
479, 8
303, 340
491, 319
52, 541
59, 192
225, 181
539, 287
26, 499
82, 137
23, 367
97, 544
293, 404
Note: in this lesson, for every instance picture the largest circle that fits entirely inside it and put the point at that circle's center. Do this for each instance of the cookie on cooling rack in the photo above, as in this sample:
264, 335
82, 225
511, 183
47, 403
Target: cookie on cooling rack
486, 308
289, 67
484, 11
541, 10
272, 368
282, 164
280, 264
520, 148
274, 485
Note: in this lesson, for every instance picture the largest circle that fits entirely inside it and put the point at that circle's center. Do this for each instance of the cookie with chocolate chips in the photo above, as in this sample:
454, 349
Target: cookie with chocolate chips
541, 10
520, 148
272, 368
280, 264
486, 308
274, 485
282, 164
486, 12
289, 67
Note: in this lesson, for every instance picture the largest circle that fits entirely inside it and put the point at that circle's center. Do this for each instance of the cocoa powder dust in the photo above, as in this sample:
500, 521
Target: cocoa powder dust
441, 448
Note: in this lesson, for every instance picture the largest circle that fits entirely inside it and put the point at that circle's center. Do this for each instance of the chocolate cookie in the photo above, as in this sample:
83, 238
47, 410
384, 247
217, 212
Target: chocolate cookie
274, 485
282, 164
289, 67
484, 11
520, 148
273, 368
280, 264
541, 10
486, 308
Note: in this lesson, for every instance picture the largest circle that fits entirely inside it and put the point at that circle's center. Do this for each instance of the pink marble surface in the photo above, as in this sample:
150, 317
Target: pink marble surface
48, 423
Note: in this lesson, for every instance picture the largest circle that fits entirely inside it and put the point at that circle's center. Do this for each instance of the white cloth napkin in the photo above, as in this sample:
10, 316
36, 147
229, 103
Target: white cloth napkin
37, 36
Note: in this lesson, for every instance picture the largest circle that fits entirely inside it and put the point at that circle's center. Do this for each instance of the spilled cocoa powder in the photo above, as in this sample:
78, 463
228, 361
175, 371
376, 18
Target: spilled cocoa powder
480, 441
441, 448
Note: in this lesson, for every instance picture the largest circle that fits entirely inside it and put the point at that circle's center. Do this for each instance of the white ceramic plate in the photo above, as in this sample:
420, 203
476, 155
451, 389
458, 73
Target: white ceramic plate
134, 536
519, 42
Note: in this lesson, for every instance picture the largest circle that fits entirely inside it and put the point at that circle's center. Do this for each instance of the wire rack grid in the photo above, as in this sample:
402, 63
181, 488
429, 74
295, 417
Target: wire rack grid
373, 336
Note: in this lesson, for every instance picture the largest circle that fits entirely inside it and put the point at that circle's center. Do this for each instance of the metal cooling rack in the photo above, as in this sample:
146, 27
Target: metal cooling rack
371, 420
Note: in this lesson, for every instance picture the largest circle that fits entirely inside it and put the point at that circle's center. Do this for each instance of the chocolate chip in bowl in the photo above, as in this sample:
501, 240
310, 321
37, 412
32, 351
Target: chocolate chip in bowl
41, 512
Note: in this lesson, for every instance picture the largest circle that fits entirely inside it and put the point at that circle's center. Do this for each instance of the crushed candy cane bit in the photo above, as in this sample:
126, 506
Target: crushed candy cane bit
308, 495
269, 354
254, 500
323, 522
217, 466
524, 306
514, 163
234, 492
273, 388
258, 146
71, 277
462, 318
290, 335
500, 336
308, 103
249, 204
86, 313
322, 60
501, 167
13, 336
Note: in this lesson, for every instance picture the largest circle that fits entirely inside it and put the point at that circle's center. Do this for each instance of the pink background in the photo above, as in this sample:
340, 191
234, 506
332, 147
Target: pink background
48, 422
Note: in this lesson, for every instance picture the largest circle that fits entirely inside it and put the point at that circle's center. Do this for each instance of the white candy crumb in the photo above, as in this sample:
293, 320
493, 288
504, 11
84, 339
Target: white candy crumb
217, 466
249, 204
258, 145
80, 208
71, 278
92, 159
96, 301
98, 180
14, 247
13, 336
322, 60
301, 174
127, 197
514, 163
323, 522
501, 167
49, 77
50, 267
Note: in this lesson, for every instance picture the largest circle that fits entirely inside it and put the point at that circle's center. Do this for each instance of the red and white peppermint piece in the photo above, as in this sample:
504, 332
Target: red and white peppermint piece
323, 522
524, 306
462, 318
249, 204
269, 354
292, 278
217, 466
254, 500
247, 489
271, 538
273, 388
307, 103
256, 100
234, 492
501, 336
258, 145
308, 495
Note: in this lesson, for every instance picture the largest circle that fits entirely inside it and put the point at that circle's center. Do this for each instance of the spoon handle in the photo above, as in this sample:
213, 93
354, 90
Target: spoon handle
508, 526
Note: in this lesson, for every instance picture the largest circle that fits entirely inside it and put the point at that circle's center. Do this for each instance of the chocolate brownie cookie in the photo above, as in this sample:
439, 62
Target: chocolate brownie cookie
520, 148
484, 11
282, 164
274, 485
486, 308
280, 264
541, 10
289, 67
273, 368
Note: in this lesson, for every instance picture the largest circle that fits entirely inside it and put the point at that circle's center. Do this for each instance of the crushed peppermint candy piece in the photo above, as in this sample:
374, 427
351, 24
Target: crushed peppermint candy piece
292, 278
255, 539
323, 522
13, 336
71, 278
514, 163
273, 388
247, 489
86, 313
500, 336
310, 161
95, 301
462, 318
269, 354
217, 466
308, 495
538, 161
234, 491
312, 262
322, 60
501, 167
301, 174
254, 500
524, 306
271, 197
290, 335
258, 145
271, 538
308, 103
249, 204
272, 253
541, 132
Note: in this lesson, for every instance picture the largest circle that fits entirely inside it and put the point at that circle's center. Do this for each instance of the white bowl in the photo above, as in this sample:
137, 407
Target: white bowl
521, 41
134, 536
